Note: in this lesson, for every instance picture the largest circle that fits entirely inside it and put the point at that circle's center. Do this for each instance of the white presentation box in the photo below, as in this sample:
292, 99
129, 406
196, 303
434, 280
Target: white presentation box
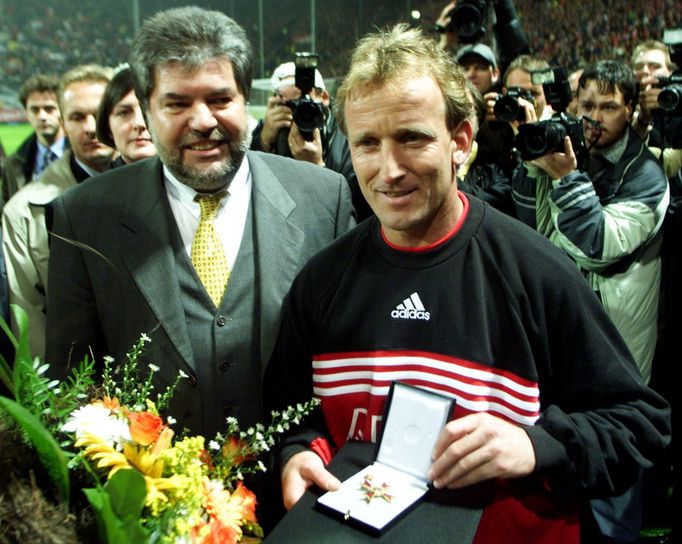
380, 494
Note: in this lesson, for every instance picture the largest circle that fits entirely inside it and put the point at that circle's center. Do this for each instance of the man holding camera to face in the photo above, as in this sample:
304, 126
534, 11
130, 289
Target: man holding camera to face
299, 123
607, 219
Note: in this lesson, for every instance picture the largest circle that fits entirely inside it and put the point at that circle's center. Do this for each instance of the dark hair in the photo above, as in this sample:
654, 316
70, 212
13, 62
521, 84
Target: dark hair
119, 86
609, 76
39, 83
191, 36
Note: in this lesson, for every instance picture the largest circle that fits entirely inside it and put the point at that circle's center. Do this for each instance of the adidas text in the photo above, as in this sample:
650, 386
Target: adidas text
411, 314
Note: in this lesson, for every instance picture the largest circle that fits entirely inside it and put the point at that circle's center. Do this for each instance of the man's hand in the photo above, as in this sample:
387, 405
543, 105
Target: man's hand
529, 114
648, 99
277, 116
558, 165
301, 471
490, 99
303, 150
480, 447
447, 39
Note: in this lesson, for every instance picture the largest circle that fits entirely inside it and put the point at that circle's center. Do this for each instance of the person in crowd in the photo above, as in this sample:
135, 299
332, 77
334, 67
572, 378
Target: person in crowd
38, 95
24, 228
480, 66
544, 419
483, 179
278, 133
651, 63
607, 219
120, 123
573, 79
519, 75
130, 255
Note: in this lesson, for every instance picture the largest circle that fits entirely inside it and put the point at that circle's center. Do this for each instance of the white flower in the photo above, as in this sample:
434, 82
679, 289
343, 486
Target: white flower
214, 445
261, 466
108, 359
183, 374
171, 420
145, 338
99, 421
153, 367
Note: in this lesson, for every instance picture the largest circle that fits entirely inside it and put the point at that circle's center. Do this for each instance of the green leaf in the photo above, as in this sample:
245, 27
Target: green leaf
51, 455
22, 356
128, 490
112, 528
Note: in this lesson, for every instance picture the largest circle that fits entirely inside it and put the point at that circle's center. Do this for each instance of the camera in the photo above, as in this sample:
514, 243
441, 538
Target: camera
670, 97
535, 140
307, 114
468, 20
507, 107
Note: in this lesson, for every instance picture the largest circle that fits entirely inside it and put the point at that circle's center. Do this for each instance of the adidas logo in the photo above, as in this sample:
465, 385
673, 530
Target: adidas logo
411, 308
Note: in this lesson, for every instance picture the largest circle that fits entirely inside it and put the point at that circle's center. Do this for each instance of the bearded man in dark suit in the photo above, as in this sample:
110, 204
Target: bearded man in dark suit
123, 258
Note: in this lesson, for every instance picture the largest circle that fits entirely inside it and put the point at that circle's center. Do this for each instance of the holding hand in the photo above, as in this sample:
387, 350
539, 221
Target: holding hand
558, 165
277, 116
301, 471
480, 447
303, 150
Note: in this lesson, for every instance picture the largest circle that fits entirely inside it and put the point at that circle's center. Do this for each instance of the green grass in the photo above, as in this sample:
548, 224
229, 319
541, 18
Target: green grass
13, 135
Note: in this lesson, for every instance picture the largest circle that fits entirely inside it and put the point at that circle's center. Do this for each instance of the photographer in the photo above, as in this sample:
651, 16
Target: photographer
607, 219
651, 62
278, 133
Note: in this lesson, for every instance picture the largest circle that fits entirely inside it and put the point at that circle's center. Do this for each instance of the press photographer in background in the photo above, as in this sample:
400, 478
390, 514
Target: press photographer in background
658, 118
606, 215
299, 123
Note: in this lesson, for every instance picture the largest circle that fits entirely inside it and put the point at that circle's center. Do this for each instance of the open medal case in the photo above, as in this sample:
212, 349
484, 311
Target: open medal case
380, 494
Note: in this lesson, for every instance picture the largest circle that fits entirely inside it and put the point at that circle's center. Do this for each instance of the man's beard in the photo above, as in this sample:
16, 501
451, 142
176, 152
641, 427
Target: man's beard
196, 178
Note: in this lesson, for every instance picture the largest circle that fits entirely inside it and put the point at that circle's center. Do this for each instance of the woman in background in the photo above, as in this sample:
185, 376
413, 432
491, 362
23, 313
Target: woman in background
120, 123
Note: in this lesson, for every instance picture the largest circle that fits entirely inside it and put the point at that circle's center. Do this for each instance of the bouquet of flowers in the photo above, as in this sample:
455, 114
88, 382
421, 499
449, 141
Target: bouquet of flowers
158, 487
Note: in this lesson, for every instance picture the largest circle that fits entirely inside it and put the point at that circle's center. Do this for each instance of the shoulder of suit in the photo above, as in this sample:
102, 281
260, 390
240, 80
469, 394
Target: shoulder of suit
289, 170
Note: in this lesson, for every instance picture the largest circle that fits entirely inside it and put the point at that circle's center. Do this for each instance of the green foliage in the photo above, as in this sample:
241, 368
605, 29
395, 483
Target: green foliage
45, 398
118, 507
51, 455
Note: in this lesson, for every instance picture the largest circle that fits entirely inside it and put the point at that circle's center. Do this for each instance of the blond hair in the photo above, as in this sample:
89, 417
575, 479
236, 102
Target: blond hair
396, 56
88, 73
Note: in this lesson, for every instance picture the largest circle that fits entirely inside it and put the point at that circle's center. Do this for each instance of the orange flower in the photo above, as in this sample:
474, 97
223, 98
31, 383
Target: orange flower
235, 451
145, 427
227, 511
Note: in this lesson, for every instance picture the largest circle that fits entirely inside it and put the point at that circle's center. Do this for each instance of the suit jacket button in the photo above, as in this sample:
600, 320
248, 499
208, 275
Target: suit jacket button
225, 365
192, 381
221, 321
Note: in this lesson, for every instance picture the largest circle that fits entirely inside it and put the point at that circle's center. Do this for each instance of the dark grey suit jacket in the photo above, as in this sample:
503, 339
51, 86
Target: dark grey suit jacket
111, 271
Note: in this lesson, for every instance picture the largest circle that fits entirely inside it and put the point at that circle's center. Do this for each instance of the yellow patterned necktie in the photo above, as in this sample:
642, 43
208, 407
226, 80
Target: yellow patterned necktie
208, 254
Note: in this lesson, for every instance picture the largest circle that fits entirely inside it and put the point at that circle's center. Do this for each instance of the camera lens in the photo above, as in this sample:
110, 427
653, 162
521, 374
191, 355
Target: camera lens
507, 109
669, 98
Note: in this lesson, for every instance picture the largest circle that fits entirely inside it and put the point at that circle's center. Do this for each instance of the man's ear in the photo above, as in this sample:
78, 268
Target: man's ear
324, 96
462, 136
496, 75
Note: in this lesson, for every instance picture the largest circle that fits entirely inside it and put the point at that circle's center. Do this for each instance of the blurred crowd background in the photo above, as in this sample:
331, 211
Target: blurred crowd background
38, 36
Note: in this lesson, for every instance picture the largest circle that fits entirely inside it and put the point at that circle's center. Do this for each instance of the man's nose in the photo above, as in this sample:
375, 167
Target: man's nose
202, 118
90, 125
391, 162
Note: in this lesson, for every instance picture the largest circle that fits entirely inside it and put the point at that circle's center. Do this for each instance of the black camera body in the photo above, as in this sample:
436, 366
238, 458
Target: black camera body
507, 107
468, 19
307, 114
535, 140
670, 97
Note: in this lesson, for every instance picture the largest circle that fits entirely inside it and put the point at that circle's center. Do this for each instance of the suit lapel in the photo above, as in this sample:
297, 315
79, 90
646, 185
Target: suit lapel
150, 256
279, 245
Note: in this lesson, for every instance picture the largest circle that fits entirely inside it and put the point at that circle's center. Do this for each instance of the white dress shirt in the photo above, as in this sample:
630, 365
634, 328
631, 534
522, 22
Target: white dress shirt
230, 219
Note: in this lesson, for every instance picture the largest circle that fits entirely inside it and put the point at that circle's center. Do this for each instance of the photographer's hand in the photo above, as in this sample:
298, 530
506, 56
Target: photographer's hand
447, 39
529, 110
490, 99
558, 165
302, 149
480, 447
277, 116
648, 99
